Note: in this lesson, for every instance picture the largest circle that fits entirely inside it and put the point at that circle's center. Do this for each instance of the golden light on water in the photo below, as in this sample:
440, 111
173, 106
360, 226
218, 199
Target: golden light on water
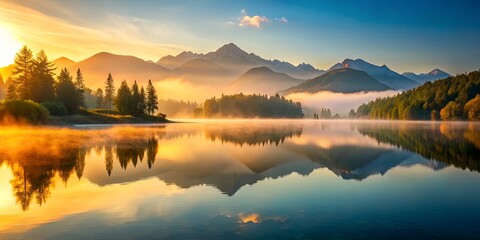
246, 218
9, 46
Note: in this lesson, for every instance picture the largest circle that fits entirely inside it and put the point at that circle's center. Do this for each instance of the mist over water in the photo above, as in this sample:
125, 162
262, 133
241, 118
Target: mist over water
340, 103
248, 178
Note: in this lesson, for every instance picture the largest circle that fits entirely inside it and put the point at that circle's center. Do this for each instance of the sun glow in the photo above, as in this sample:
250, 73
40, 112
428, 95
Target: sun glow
8, 45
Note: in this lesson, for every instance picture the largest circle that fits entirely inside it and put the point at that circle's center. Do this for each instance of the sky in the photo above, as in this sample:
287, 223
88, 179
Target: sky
415, 36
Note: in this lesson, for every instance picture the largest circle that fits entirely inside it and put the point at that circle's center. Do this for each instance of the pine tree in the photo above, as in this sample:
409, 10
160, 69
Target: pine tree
109, 92
152, 99
22, 72
143, 103
352, 113
80, 86
2, 88
42, 87
123, 101
99, 95
11, 90
136, 99
66, 91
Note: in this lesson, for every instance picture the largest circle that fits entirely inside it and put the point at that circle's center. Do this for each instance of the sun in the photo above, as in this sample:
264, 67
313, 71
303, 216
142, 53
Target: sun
8, 47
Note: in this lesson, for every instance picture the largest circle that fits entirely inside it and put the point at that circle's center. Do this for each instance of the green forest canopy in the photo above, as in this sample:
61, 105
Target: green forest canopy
452, 98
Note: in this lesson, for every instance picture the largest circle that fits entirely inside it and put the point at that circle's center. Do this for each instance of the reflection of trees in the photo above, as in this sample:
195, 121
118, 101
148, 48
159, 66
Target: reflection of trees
449, 143
152, 149
133, 151
34, 178
108, 158
253, 135
36, 163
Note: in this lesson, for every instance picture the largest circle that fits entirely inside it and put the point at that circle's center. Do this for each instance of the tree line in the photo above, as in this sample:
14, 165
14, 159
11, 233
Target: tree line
135, 100
250, 106
453, 98
177, 108
325, 113
33, 78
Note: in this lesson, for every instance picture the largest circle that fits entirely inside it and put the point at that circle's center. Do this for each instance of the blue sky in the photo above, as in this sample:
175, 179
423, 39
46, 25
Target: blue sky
405, 35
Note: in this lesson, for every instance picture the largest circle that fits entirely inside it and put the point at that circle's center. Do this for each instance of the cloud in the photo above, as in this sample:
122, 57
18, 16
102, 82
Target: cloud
282, 19
256, 21
253, 21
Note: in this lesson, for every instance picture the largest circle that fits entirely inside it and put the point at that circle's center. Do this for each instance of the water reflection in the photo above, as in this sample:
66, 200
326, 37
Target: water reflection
228, 156
456, 144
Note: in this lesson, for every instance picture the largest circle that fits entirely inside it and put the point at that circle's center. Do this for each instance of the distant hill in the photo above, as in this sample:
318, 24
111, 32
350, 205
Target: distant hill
452, 98
344, 80
96, 68
6, 71
63, 62
382, 73
202, 71
262, 80
431, 76
238, 61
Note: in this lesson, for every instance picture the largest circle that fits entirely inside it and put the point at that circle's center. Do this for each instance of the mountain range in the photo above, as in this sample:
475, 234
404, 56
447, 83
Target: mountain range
231, 57
382, 73
344, 80
431, 76
230, 67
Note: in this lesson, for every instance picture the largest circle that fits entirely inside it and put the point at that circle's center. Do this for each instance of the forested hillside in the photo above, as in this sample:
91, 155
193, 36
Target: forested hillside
452, 98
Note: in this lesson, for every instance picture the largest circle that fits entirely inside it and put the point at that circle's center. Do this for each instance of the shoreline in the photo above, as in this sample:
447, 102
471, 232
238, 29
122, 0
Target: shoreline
93, 118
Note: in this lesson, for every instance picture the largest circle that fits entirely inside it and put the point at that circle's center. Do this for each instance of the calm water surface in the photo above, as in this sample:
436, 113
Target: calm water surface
284, 179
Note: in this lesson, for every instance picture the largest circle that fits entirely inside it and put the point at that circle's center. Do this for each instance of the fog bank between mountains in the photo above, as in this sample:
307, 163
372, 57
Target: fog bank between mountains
340, 103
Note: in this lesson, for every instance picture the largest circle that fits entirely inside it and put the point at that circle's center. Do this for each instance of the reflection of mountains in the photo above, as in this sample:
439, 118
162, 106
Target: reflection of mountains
360, 162
449, 143
348, 162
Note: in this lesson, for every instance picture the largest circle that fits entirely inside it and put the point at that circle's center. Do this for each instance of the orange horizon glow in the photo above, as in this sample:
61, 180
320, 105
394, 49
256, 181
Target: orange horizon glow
21, 25
10, 46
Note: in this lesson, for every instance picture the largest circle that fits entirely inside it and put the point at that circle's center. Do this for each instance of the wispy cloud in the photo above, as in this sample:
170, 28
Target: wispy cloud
282, 19
62, 38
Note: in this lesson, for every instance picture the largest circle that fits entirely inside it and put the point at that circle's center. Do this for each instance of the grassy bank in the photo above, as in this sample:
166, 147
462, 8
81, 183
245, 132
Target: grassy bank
103, 117
22, 112
19, 112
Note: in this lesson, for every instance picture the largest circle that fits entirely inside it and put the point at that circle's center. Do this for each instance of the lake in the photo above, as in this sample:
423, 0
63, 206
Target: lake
242, 179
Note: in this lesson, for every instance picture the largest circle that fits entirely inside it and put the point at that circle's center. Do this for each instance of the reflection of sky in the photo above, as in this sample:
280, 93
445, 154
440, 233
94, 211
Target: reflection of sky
136, 204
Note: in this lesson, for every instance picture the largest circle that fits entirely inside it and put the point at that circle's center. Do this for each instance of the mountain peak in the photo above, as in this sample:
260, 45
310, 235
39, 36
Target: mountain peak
306, 67
437, 71
230, 48
64, 59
